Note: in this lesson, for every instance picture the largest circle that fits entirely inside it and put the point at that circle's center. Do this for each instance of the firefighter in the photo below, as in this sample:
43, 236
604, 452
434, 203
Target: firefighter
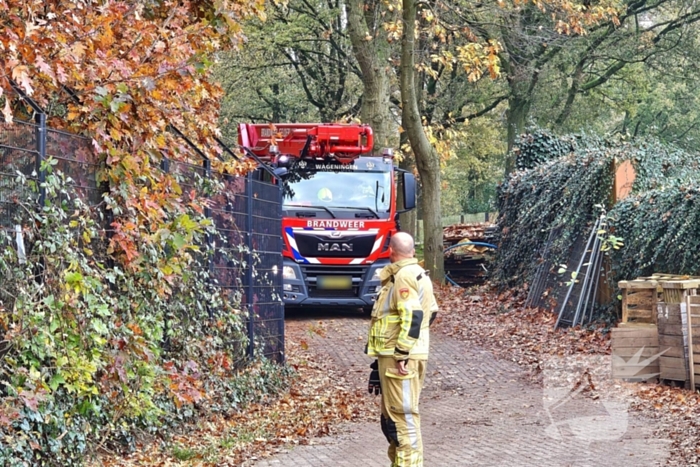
325, 194
399, 339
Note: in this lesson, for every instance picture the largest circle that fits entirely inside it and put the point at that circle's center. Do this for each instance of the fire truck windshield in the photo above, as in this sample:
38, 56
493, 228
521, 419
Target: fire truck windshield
344, 193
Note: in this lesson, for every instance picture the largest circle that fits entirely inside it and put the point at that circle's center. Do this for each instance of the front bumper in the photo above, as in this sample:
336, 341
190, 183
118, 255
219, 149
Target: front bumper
303, 290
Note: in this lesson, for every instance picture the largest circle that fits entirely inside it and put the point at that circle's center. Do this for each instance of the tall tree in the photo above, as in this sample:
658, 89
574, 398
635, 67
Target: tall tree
298, 65
373, 52
427, 159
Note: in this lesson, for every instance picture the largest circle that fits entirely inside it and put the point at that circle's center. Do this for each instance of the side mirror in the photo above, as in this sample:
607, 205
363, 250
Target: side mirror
409, 191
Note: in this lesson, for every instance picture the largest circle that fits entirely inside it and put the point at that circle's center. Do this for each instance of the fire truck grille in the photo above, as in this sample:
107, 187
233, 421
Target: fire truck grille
312, 273
313, 245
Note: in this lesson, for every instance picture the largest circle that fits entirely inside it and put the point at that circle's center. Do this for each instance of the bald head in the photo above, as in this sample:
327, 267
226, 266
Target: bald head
402, 246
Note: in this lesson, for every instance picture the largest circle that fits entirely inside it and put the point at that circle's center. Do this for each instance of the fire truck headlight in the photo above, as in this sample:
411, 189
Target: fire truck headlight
375, 276
288, 272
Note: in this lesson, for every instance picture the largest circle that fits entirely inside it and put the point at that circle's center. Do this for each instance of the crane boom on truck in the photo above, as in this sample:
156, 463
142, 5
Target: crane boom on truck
339, 209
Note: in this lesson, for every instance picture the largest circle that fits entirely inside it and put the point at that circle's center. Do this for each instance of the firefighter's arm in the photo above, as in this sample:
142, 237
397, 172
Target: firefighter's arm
410, 315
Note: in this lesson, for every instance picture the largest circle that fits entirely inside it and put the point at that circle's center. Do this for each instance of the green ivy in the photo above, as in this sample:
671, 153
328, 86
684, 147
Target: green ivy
94, 353
662, 227
539, 146
565, 185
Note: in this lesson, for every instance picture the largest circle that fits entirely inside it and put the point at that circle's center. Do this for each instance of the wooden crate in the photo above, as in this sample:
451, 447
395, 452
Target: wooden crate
669, 277
639, 300
675, 290
628, 340
672, 327
692, 304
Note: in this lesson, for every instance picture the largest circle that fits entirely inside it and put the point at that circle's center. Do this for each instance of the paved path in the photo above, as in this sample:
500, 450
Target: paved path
477, 411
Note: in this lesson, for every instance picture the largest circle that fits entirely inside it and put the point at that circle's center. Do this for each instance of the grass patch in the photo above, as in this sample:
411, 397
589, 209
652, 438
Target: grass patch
183, 453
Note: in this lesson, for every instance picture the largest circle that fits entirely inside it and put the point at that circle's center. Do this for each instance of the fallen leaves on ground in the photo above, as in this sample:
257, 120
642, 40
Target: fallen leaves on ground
501, 324
319, 400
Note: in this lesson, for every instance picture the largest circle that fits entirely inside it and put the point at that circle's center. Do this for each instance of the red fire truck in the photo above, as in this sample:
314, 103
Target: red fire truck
339, 209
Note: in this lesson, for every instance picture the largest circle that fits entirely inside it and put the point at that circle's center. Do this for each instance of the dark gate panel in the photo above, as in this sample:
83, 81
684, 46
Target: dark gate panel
267, 284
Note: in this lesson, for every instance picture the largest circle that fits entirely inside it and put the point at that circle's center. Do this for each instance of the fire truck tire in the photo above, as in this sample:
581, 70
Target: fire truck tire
367, 310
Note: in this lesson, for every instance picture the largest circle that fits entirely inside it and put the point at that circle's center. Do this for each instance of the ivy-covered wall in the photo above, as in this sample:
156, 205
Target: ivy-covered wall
564, 183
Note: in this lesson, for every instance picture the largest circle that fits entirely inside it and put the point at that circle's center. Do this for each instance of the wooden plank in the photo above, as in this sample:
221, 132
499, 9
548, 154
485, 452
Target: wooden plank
672, 362
649, 284
676, 296
639, 304
635, 372
677, 330
676, 352
637, 341
679, 284
639, 310
626, 352
670, 341
649, 318
691, 308
673, 318
631, 332
632, 335
633, 368
674, 374
676, 342
642, 299
638, 315
633, 326
661, 275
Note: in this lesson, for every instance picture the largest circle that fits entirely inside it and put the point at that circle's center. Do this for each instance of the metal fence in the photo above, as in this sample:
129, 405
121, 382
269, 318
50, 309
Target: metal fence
570, 291
246, 214
17, 156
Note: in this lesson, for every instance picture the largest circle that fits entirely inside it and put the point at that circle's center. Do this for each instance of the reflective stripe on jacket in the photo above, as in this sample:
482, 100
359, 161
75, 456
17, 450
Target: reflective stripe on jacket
401, 314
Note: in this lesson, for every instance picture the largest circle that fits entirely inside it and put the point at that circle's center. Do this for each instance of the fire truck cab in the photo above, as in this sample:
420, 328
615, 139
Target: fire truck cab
339, 209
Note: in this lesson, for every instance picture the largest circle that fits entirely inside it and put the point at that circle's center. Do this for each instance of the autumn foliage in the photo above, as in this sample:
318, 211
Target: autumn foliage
120, 73
113, 332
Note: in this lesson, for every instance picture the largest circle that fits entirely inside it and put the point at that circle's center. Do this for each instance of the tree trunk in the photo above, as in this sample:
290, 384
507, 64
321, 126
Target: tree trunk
518, 111
427, 159
372, 52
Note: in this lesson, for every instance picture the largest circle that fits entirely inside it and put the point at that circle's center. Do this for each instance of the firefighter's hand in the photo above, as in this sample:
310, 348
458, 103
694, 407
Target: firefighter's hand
373, 386
401, 366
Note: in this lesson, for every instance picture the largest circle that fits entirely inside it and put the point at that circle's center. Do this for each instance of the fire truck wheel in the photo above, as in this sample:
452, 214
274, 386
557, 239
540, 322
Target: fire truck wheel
367, 310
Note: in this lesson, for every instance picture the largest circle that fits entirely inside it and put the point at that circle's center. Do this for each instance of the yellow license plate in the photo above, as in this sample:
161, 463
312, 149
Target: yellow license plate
334, 282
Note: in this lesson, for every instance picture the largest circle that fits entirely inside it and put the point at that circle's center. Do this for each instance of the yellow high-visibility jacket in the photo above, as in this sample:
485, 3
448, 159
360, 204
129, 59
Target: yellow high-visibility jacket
402, 313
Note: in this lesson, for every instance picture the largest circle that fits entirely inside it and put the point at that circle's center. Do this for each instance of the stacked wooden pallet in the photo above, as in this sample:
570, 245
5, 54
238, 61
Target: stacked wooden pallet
693, 344
635, 341
639, 300
658, 335
634, 350
673, 331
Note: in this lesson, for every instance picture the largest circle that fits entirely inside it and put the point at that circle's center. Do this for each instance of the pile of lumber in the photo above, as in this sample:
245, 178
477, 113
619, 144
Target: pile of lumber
473, 232
464, 262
